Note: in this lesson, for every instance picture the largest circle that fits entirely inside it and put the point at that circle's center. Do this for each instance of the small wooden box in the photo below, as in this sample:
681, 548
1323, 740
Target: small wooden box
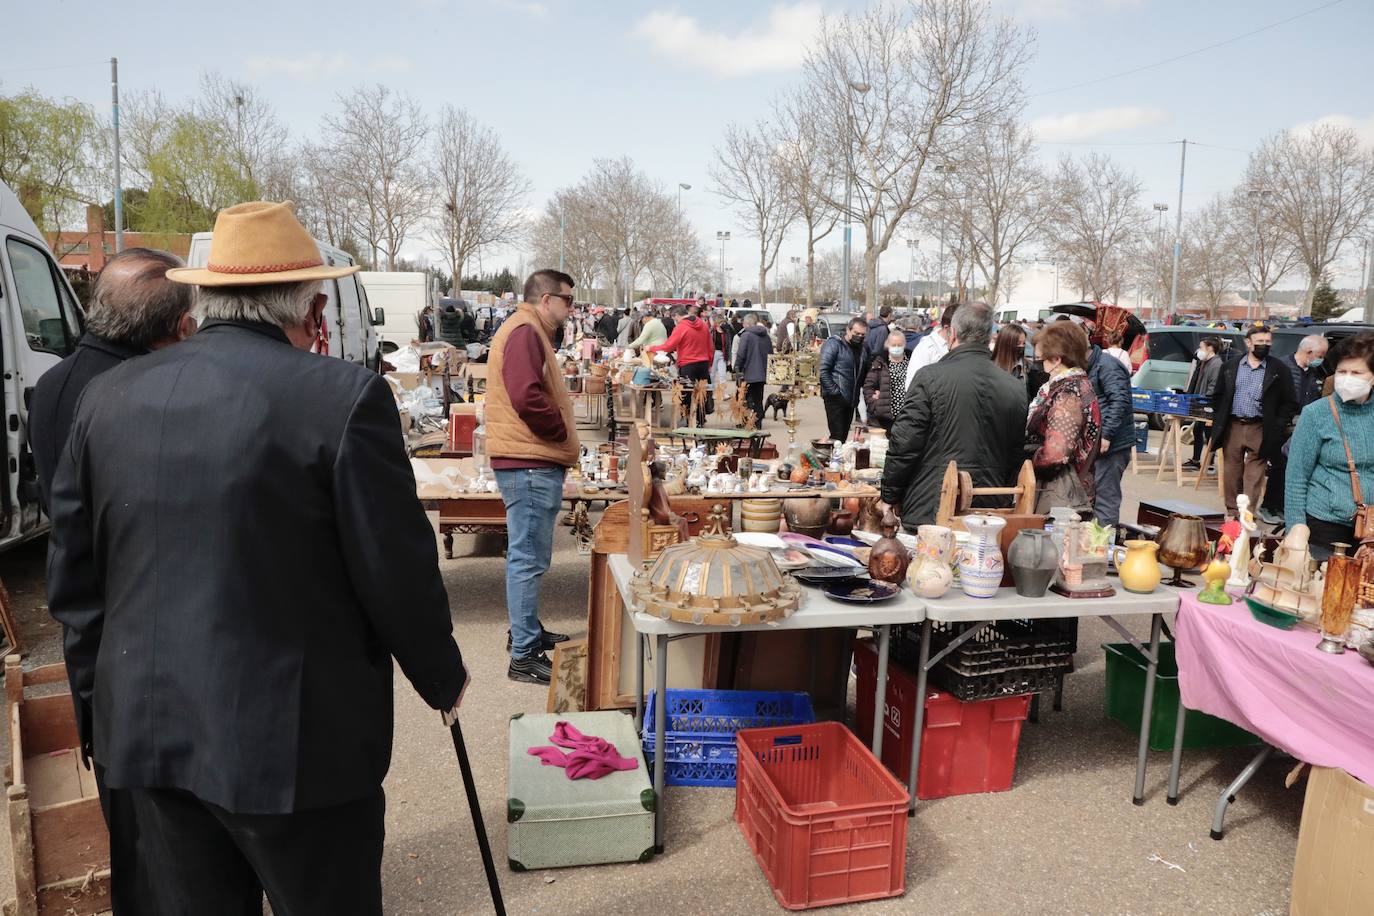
61, 847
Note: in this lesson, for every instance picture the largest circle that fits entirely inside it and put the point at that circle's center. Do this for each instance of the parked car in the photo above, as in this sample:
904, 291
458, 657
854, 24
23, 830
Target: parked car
40, 321
1286, 339
1169, 355
350, 324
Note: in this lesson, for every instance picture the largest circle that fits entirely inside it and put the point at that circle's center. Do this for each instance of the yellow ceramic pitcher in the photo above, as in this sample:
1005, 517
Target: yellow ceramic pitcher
1139, 570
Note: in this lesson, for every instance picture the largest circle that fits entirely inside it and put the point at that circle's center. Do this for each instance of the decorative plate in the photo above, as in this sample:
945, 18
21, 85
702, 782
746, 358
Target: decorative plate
828, 575
791, 558
861, 592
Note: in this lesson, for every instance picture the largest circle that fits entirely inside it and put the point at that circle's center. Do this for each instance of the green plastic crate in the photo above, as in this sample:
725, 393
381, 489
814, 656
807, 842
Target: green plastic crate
1125, 702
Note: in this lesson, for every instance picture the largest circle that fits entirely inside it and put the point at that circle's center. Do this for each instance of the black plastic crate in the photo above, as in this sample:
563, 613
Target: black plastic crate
1005, 658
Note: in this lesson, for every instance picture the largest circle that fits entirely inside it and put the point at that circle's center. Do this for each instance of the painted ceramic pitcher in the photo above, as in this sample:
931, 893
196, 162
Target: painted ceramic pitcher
930, 575
980, 562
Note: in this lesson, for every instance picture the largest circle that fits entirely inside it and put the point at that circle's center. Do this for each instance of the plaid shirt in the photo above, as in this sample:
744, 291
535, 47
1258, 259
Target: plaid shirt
1249, 386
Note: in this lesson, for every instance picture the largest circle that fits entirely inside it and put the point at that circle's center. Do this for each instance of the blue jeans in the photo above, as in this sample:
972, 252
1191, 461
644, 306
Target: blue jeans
532, 497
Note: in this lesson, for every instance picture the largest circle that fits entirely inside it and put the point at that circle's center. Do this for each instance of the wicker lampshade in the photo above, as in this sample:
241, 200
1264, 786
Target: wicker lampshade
713, 580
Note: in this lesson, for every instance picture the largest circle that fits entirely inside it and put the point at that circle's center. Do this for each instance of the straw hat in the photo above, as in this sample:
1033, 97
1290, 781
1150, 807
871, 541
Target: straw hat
257, 243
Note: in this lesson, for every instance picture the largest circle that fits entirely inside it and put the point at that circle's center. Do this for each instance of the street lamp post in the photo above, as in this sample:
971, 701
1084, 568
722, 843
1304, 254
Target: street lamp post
796, 279
722, 237
1161, 209
681, 186
913, 244
861, 89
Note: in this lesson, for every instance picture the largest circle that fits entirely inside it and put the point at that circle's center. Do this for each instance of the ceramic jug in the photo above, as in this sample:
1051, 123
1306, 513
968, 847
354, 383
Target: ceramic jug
930, 574
888, 560
1033, 559
1139, 570
980, 562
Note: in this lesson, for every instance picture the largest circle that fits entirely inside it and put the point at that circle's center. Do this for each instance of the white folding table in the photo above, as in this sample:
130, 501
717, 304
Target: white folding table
817, 611
956, 607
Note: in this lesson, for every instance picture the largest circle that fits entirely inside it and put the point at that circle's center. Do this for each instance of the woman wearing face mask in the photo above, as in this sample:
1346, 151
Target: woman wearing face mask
884, 385
1204, 382
1320, 487
1065, 423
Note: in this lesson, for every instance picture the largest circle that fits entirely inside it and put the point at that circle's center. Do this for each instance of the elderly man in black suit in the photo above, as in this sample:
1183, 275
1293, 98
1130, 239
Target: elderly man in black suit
237, 555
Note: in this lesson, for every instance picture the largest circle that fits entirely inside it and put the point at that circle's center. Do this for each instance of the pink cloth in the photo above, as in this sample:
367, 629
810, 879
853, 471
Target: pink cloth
590, 758
1317, 707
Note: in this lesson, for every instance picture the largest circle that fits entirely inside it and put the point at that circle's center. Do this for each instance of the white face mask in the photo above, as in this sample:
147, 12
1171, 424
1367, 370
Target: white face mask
896, 352
1201, 354
1352, 387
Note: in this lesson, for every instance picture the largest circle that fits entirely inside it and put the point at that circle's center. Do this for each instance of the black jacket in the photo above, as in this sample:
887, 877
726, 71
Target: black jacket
237, 554
841, 368
877, 390
1112, 385
963, 409
451, 326
1277, 406
55, 398
875, 340
755, 346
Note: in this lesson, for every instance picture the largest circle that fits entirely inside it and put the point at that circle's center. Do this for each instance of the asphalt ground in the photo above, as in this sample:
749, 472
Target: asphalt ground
1065, 839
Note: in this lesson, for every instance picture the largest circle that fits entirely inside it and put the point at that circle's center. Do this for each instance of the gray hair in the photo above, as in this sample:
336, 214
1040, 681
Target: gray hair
134, 303
1312, 342
901, 338
284, 305
751, 319
972, 323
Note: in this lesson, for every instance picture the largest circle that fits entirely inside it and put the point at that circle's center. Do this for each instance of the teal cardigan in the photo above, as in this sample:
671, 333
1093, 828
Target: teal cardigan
1318, 481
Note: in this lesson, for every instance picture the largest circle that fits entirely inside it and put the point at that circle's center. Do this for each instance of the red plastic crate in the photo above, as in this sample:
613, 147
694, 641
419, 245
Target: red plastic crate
826, 822
966, 747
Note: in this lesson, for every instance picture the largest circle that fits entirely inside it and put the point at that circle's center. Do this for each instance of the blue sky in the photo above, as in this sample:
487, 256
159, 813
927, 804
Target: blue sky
565, 81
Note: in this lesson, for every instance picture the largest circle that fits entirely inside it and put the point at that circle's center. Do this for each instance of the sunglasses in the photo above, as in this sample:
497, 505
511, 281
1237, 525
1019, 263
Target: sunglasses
566, 297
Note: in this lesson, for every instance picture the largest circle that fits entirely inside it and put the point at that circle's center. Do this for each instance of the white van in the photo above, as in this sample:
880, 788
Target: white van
399, 296
349, 322
40, 323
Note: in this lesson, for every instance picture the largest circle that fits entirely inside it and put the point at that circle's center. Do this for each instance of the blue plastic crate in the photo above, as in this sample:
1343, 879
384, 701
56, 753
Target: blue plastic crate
1143, 400
699, 734
1180, 405
1142, 436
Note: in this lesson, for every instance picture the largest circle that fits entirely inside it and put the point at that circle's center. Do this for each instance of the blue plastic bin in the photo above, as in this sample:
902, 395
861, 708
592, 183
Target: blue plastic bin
1142, 400
1142, 436
701, 726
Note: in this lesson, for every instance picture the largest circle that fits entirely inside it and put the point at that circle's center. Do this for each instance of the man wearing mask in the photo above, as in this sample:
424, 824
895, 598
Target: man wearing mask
1252, 410
1305, 366
885, 381
963, 409
877, 333
1206, 374
841, 364
933, 346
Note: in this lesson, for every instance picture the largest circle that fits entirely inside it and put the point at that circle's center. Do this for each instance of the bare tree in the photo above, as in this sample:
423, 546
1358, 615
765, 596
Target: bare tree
256, 140
1097, 218
324, 206
1006, 197
682, 262
811, 176
899, 88
379, 136
1265, 252
1210, 253
562, 236
1323, 192
749, 173
625, 212
478, 190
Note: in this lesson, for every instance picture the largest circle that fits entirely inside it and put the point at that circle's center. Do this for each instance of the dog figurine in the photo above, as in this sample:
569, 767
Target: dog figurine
775, 403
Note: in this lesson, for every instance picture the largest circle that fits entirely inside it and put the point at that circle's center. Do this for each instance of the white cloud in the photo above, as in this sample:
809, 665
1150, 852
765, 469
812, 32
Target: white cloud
316, 65
1364, 127
777, 44
1089, 125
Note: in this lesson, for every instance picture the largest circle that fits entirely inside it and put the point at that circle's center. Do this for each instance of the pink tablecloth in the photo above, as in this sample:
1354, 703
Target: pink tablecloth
1316, 706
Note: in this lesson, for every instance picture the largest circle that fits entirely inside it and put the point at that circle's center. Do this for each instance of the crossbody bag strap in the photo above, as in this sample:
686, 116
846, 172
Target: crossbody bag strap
1349, 458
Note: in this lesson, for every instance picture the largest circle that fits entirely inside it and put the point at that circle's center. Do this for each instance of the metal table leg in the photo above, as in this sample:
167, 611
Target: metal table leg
1177, 762
639, 682
660, 720
1228, 795
880, 699
1152, 657
922, 669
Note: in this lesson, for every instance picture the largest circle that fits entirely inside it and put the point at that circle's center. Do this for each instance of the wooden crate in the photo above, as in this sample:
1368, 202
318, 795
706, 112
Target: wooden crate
61, 847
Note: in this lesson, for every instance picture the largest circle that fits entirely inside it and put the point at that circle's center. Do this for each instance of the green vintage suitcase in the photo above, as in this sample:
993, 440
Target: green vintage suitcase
554, 821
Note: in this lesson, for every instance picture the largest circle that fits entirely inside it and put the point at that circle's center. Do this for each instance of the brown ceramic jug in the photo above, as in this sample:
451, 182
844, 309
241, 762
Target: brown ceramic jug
888, 560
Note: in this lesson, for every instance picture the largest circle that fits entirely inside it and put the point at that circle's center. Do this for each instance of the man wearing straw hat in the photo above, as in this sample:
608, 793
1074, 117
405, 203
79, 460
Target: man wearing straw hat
237, 555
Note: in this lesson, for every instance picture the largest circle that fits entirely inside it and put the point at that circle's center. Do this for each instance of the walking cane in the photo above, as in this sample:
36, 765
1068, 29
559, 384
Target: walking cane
477, 824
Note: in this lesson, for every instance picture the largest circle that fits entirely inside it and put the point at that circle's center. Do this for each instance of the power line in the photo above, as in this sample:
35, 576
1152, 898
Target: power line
1192, 53
89, 63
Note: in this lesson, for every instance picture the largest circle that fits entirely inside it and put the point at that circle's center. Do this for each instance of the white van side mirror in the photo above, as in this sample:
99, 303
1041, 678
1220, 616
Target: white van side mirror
378, 316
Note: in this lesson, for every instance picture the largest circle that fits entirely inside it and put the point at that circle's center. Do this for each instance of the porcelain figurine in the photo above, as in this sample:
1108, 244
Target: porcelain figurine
888, 560
1215, 574
980, 562
1240, 551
